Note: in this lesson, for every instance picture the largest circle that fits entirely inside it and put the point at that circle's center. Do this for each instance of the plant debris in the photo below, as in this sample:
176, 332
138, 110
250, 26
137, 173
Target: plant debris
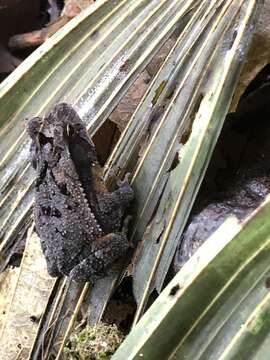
94, 343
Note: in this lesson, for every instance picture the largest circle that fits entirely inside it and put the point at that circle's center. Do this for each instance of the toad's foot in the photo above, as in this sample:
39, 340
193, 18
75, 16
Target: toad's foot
125, 182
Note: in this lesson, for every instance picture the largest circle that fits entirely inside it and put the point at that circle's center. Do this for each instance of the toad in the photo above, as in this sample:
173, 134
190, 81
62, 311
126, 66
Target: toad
79, 222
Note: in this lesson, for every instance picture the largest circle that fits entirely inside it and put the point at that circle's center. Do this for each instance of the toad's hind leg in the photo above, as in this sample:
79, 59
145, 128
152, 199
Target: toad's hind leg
105, 251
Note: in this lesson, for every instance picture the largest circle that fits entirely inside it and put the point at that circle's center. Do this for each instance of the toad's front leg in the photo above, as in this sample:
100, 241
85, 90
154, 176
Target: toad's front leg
110, 201
105, 251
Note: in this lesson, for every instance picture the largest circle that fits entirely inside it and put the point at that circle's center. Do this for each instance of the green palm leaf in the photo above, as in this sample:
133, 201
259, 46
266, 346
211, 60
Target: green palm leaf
217, 306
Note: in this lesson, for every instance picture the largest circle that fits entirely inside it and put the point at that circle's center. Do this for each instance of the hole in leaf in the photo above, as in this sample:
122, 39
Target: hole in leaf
33, 318
174, 290
174, 163
267, 283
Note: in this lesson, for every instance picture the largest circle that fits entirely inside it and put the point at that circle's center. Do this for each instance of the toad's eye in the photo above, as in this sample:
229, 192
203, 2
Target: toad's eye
70, 130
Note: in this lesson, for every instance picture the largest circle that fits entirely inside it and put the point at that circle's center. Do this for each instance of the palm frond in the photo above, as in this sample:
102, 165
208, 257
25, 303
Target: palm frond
217, 306
91, 63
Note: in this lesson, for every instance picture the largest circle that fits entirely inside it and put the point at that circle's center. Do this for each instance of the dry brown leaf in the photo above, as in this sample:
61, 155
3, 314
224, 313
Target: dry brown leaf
37, 37
26, 303
8, 62
158, 60
128, 104
74, 7
8, 281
